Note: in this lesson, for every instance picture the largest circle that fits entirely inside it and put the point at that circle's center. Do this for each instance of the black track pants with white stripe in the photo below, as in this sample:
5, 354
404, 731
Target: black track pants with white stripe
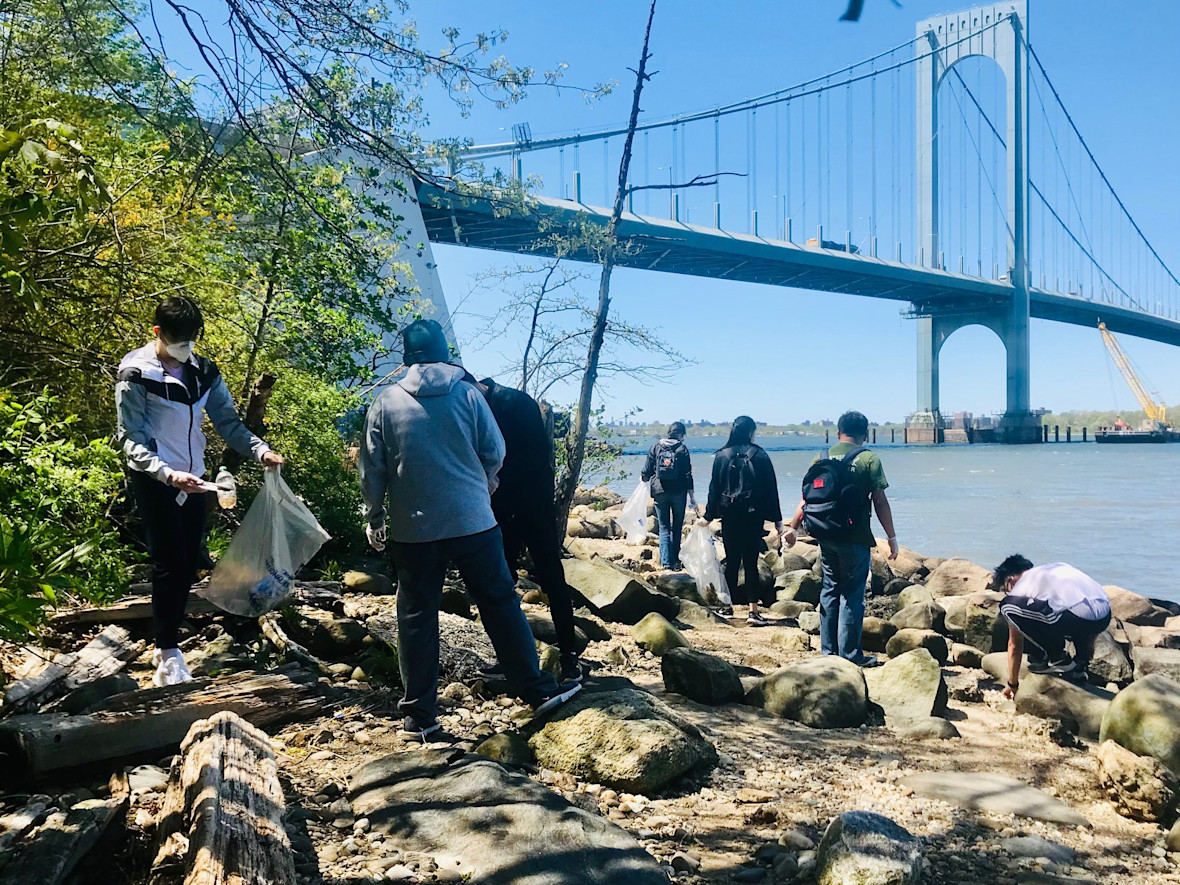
1048, 629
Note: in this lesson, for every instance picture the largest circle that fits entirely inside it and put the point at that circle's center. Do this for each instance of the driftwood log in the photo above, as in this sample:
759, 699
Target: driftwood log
146, 724
104, 655
272, 629
222, 819
53, 851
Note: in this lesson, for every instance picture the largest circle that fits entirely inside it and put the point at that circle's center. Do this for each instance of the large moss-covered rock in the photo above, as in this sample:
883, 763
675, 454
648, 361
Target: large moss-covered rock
865, 848
908, 640
701, 677
790, 608
958, 577
655, 634
1079, 708
823, 692
615, 594
908, 687
984, 629
927, 615
912, 595
798, 586
1145, 718
876, 633
1139, 786
624, 739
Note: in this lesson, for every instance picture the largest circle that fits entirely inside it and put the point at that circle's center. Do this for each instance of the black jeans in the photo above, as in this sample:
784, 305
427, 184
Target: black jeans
743, 545
1048, 629
173, 535
535, 527
480, 560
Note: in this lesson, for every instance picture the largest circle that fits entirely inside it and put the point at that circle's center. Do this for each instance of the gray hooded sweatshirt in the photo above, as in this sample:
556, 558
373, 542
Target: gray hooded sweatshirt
432, 448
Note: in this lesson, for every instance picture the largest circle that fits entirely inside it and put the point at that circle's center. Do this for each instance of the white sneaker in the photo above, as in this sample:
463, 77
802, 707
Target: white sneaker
171, 669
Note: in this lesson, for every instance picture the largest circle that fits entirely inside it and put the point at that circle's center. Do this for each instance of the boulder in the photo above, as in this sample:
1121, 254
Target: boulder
1131, 608
679, 585
1140, 787
966, 656
1163, 661
798, 586
697, 615
1079, 708
790, 561
790, 608
920, 616
543, 630
624, 739
592, 626
912, 595
1145, 718
996, 666
704, 678
906, 567
365, 582
879, 573
615, 594
865, 848
808, 551
1109, 663
984, 629
791, 640
908, 687
481, 822
930, 728
823, 692
218, 654
655, 634
908, 640
507, 748
1038, 847
463, 646
1172, 841
1167, 636
958, 577
809, 622
327, 637
876, 633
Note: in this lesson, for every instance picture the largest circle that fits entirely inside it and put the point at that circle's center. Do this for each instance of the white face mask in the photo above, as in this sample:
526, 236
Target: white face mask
182, 351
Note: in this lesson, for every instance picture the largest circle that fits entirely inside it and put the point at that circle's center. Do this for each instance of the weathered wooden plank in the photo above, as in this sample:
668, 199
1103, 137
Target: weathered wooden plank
146, 724
222, 819
134, 608
13, 826
65, 838
105, 654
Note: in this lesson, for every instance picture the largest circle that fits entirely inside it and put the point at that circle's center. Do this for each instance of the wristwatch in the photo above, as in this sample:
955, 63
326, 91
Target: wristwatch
1014, 685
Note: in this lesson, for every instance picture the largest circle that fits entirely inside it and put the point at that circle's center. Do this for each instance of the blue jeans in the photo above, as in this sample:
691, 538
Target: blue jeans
480, 560
670, 516
842, 598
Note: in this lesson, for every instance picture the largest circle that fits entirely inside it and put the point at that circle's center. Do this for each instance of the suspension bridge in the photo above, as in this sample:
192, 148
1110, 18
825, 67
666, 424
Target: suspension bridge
945, 173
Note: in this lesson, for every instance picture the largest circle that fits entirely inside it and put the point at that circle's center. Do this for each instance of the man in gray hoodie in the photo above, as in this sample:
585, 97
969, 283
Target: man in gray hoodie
432, 449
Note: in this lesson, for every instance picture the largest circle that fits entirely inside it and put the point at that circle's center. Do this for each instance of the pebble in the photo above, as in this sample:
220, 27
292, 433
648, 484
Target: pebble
321, 756
399, 873
685, 862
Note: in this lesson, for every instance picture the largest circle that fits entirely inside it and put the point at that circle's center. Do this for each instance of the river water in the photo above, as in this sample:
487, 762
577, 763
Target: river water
1111, 510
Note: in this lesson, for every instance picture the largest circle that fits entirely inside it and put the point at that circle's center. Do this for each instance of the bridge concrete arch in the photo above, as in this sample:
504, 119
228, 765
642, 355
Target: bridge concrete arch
996, 31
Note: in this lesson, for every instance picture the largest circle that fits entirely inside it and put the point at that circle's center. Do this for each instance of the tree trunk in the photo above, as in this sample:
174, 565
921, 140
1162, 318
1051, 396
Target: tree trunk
107, 653
255, 419
146, 724
575, 444
222, 819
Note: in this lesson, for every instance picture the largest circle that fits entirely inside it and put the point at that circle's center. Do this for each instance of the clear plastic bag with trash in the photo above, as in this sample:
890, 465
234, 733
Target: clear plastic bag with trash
699, 555
278, 537
634, 518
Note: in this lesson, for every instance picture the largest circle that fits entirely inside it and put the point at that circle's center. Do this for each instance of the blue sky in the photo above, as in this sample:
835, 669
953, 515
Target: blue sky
760, 350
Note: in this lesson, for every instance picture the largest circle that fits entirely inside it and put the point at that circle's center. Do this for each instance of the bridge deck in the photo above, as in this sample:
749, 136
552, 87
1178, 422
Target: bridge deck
676, 247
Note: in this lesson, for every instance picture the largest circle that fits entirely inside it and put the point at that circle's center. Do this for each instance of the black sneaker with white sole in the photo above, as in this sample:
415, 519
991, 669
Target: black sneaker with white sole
564, 692
571, 669
1060, 667
490, 670
419, 730
755, 619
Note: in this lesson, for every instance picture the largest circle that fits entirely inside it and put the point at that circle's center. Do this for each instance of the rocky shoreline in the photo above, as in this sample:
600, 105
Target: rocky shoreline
701, 750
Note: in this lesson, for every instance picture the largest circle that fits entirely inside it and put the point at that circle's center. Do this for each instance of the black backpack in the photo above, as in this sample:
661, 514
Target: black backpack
738, 494
669, 464
833, 503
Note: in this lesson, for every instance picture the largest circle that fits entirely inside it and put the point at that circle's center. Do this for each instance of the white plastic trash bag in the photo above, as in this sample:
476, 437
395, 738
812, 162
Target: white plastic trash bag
278, 537
699, 555
634, 518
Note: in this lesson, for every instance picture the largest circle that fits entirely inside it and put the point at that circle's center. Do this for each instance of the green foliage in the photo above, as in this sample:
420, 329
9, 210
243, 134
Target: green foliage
603, 453
57, 538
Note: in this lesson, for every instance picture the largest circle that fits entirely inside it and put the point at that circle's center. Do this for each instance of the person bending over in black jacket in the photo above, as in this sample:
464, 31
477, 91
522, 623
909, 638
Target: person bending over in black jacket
743, 493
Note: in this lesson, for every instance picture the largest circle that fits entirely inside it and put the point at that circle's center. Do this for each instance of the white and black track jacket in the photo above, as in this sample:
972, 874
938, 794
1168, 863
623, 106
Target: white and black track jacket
160, 416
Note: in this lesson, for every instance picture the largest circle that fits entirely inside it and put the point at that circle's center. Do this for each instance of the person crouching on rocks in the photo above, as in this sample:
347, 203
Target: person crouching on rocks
1046, 605
669, 469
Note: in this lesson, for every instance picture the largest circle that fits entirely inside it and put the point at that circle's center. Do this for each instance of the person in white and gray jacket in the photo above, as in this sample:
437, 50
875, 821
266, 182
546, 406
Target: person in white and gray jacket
162, 396
428, 463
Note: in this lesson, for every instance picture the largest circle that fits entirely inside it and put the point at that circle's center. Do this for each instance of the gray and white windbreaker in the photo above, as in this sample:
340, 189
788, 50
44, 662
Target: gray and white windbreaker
160, 416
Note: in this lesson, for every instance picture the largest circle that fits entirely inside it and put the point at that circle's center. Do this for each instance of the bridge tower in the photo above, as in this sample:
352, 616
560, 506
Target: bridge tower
997, 31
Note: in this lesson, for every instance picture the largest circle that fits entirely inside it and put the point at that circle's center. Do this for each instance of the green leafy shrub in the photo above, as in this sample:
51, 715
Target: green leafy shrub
58, 541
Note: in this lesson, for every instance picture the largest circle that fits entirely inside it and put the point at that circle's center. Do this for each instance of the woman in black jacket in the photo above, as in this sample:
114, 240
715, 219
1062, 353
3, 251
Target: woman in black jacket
743, 493
669, 469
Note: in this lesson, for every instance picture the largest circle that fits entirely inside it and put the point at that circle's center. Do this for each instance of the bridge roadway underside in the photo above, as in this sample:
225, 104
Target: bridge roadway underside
676, 247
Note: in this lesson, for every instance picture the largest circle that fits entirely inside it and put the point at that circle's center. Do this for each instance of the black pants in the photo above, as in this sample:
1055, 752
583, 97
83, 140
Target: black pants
480, 560
1048, 629
173, 535
743, 546
535, 527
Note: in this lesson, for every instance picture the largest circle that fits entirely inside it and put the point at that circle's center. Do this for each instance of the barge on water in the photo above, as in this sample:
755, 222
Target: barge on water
1127, 435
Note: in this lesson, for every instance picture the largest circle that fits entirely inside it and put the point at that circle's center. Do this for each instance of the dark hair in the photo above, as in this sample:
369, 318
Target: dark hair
741, 433
853, 424
179, 319
1010, 567
676, 430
